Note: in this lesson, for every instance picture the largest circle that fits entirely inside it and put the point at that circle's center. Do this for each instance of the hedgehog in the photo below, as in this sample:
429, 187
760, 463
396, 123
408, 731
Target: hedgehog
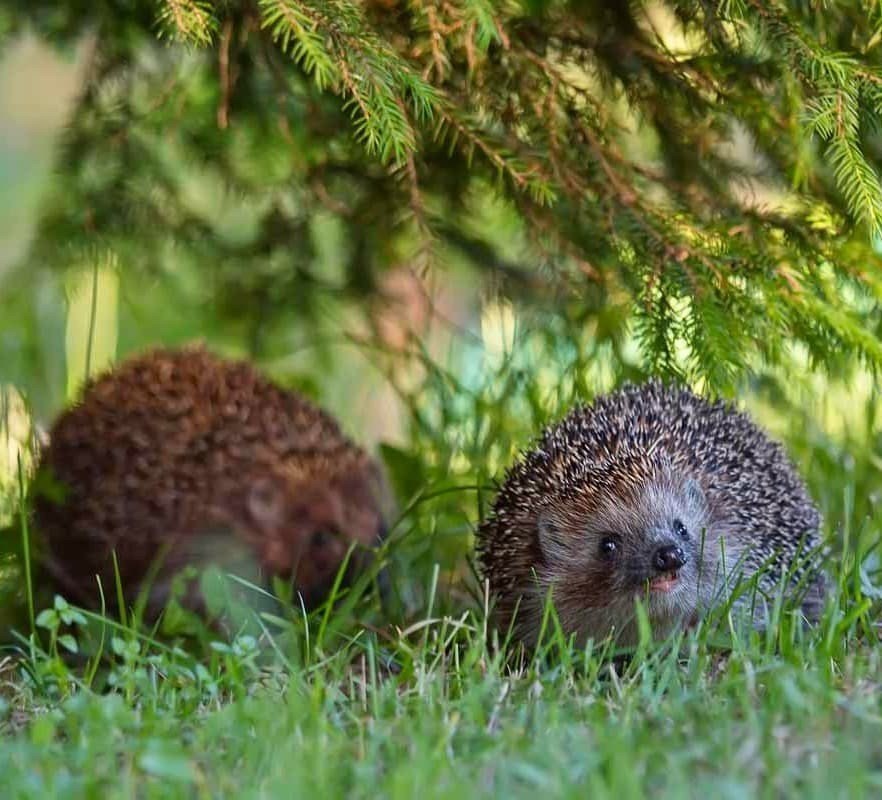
650, 493
180, 458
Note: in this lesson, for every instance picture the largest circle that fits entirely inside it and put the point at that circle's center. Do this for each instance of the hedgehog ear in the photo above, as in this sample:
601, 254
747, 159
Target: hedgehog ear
265, 502
695, 495
552, 542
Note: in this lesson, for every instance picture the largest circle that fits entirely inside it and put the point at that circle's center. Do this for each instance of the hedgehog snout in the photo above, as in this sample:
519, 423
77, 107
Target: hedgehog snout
669, 558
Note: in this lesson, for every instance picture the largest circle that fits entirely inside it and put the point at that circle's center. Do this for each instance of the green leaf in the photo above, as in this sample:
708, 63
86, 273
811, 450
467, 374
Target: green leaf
72, 617
48, 618
404, 469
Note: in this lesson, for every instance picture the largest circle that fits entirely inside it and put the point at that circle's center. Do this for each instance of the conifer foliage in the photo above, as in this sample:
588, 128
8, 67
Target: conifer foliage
710, 167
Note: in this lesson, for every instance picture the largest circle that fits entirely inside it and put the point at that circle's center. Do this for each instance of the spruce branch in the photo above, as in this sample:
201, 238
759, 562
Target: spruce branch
188, 20
706, 171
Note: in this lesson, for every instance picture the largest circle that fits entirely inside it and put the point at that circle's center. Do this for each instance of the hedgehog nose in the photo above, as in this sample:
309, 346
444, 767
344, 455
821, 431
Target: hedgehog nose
669, 558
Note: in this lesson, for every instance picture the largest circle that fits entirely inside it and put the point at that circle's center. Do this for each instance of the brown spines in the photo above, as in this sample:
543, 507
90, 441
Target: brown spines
178, 444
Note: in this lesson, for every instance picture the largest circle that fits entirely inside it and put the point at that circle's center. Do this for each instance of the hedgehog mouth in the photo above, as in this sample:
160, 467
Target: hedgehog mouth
665, 582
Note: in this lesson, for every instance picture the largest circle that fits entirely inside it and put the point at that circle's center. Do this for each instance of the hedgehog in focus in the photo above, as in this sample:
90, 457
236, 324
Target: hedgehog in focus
178, 458
655, 493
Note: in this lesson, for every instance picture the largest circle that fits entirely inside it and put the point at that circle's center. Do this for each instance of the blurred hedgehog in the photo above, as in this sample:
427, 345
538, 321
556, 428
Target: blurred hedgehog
651, 493
179, 457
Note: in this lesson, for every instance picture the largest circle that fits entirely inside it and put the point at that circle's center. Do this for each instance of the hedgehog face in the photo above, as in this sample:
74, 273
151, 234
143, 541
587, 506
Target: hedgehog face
306, 528
654, 544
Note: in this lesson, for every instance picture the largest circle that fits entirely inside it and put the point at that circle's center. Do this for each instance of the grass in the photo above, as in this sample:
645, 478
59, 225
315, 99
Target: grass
766, 716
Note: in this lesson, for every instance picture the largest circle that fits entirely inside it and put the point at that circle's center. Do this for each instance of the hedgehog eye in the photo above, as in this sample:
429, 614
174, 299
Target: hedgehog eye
680, 529
609, 545
321, 538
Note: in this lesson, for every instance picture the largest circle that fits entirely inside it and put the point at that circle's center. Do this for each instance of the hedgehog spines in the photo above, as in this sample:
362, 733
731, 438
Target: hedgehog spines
605, 456
172, 443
